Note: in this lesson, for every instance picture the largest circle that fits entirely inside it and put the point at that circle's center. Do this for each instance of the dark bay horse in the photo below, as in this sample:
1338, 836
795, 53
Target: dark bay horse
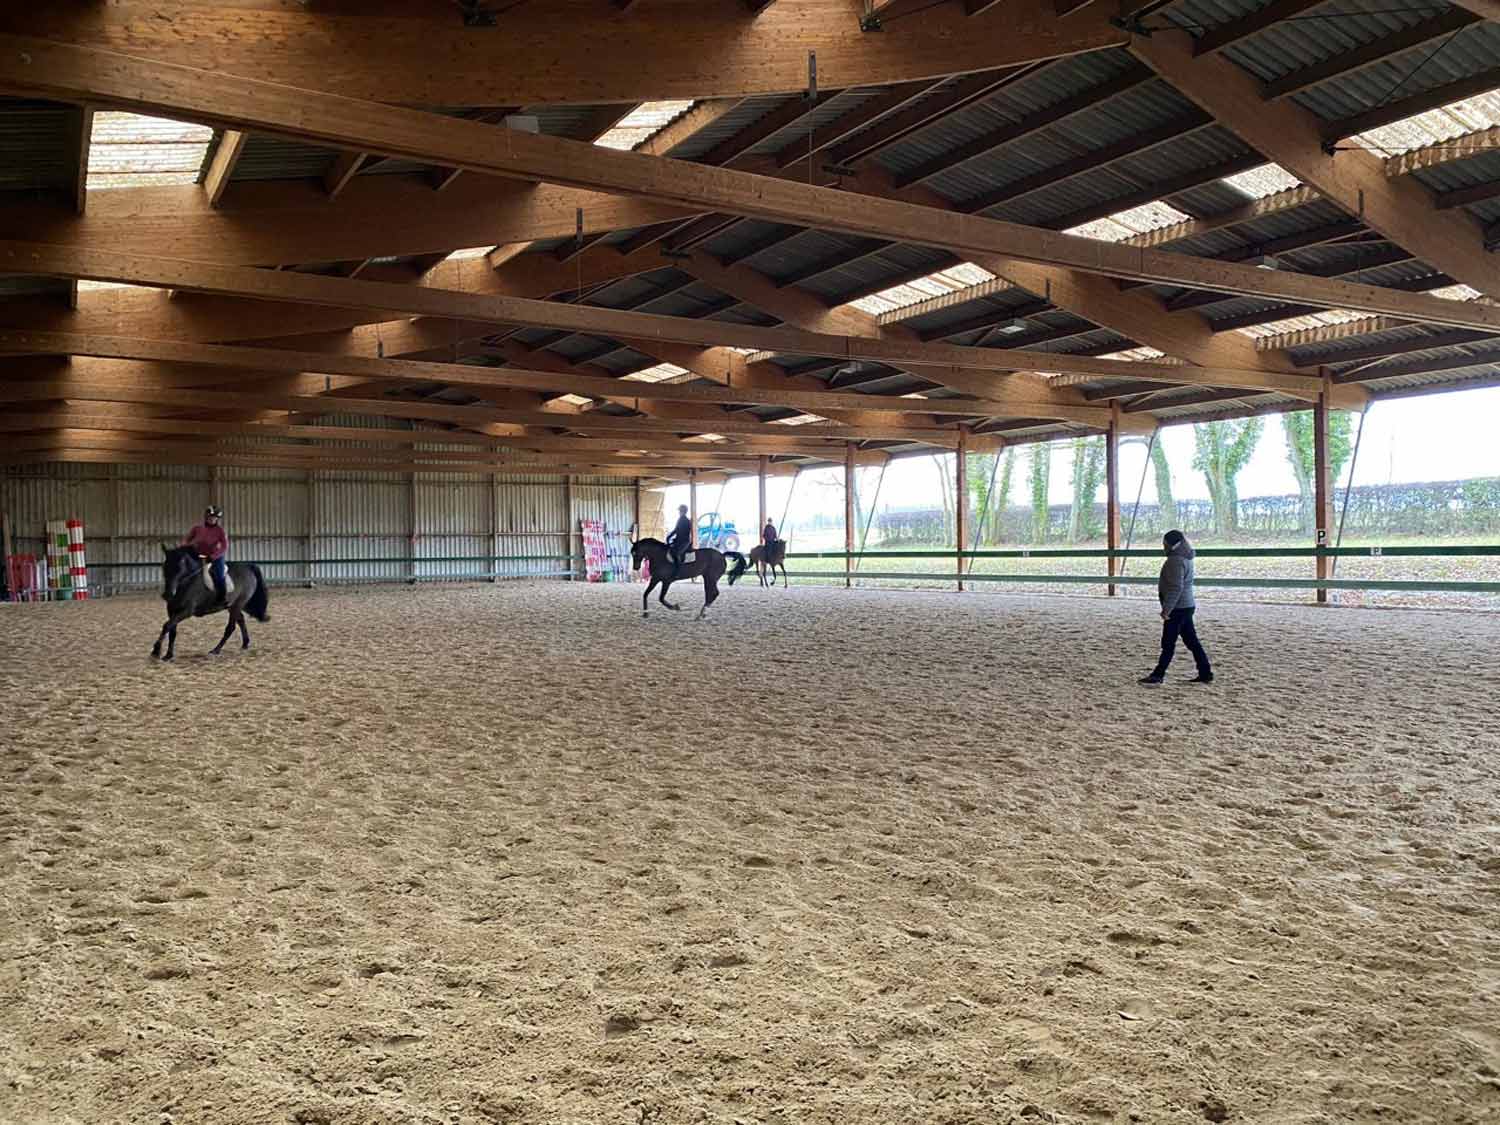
187, 595
761, 563
707, 564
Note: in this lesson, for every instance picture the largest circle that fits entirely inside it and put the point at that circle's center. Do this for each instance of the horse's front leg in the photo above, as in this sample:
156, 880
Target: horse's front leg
156, 648
171, 638
662, 597
645, 604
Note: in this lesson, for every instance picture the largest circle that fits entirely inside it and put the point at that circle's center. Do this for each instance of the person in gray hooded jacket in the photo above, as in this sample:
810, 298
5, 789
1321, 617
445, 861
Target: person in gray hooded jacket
1175, 590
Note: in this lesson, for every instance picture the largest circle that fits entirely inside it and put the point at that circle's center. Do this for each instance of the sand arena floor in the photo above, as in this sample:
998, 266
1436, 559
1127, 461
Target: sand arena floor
477, 854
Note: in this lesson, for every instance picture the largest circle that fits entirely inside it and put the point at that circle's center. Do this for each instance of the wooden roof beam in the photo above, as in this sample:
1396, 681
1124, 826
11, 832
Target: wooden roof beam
424, 56
37, 259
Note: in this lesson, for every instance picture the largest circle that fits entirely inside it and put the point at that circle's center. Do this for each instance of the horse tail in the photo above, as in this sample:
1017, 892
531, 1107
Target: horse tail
257, 603
741, 564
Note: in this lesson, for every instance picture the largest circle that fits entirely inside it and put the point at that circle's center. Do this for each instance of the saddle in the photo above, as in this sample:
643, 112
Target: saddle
208, 580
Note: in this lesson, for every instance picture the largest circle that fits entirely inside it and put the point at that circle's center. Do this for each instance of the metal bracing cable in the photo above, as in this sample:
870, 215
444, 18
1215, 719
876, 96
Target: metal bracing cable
1139, 492
870, 516
1348, 490
989, 502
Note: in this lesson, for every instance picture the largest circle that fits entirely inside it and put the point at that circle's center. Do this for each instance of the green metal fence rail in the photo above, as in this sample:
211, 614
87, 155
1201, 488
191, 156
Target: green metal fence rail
1201, 552
1307, 583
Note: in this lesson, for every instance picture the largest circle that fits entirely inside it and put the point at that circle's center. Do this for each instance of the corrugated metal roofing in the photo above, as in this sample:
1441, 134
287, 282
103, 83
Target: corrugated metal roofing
831, 110
742, 116
274, 158
1046, 87
1469, 52
1191, 152
1292, 45
35, 149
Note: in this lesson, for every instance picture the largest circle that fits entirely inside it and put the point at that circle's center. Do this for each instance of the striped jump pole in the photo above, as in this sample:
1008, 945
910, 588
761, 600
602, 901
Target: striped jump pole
59, 578
77, 567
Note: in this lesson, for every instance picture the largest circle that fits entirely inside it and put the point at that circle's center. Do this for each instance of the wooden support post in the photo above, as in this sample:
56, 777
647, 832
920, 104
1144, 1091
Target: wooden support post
693, 506
961, 499
411, 542
1112, 491
310, 522
765, 464
1322, 484
494, 564
571, 525
636, 531
848, 514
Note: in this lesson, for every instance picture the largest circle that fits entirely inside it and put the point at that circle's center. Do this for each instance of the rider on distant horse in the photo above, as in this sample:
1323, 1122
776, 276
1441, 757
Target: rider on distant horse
768, 537
682, 536
212, 544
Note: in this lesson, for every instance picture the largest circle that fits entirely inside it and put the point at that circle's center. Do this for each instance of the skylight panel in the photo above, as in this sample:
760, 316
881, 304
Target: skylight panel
1455, 293
660, 373
1301, 323
574, 400
1259, 183
1137, 220
133, 150
1141, 353
1468, 115
949, 280
469, 254
798, 420
642, 123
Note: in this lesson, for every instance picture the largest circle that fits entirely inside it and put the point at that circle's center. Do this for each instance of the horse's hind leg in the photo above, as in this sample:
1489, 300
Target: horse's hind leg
244, 631
228, 632
710, 594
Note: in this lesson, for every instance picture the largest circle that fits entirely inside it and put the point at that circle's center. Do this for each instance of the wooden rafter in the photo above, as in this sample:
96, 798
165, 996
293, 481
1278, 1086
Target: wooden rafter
427, 301
221, 168
478, 378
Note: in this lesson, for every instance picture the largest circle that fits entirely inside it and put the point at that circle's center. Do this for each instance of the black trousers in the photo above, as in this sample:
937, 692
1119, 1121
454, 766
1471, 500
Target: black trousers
1179, 623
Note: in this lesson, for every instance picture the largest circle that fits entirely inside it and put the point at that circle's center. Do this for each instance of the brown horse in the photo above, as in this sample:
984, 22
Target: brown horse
706, 564
762, 563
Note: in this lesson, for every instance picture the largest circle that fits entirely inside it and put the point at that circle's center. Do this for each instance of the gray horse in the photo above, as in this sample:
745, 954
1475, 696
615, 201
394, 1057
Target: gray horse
708, 564
187, 595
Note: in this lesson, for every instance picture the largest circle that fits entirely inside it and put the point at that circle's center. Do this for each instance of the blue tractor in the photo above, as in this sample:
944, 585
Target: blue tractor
720, 534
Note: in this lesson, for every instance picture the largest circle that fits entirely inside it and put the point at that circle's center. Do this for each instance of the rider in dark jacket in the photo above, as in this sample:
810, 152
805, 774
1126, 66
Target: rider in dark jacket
681, 537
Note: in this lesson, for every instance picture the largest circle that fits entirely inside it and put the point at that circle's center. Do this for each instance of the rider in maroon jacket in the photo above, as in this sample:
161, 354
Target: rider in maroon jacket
211, 543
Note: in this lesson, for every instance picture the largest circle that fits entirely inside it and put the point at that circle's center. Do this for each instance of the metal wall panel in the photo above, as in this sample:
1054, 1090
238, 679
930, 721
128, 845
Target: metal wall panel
455, 513
364, 527
533, 533
266, 516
